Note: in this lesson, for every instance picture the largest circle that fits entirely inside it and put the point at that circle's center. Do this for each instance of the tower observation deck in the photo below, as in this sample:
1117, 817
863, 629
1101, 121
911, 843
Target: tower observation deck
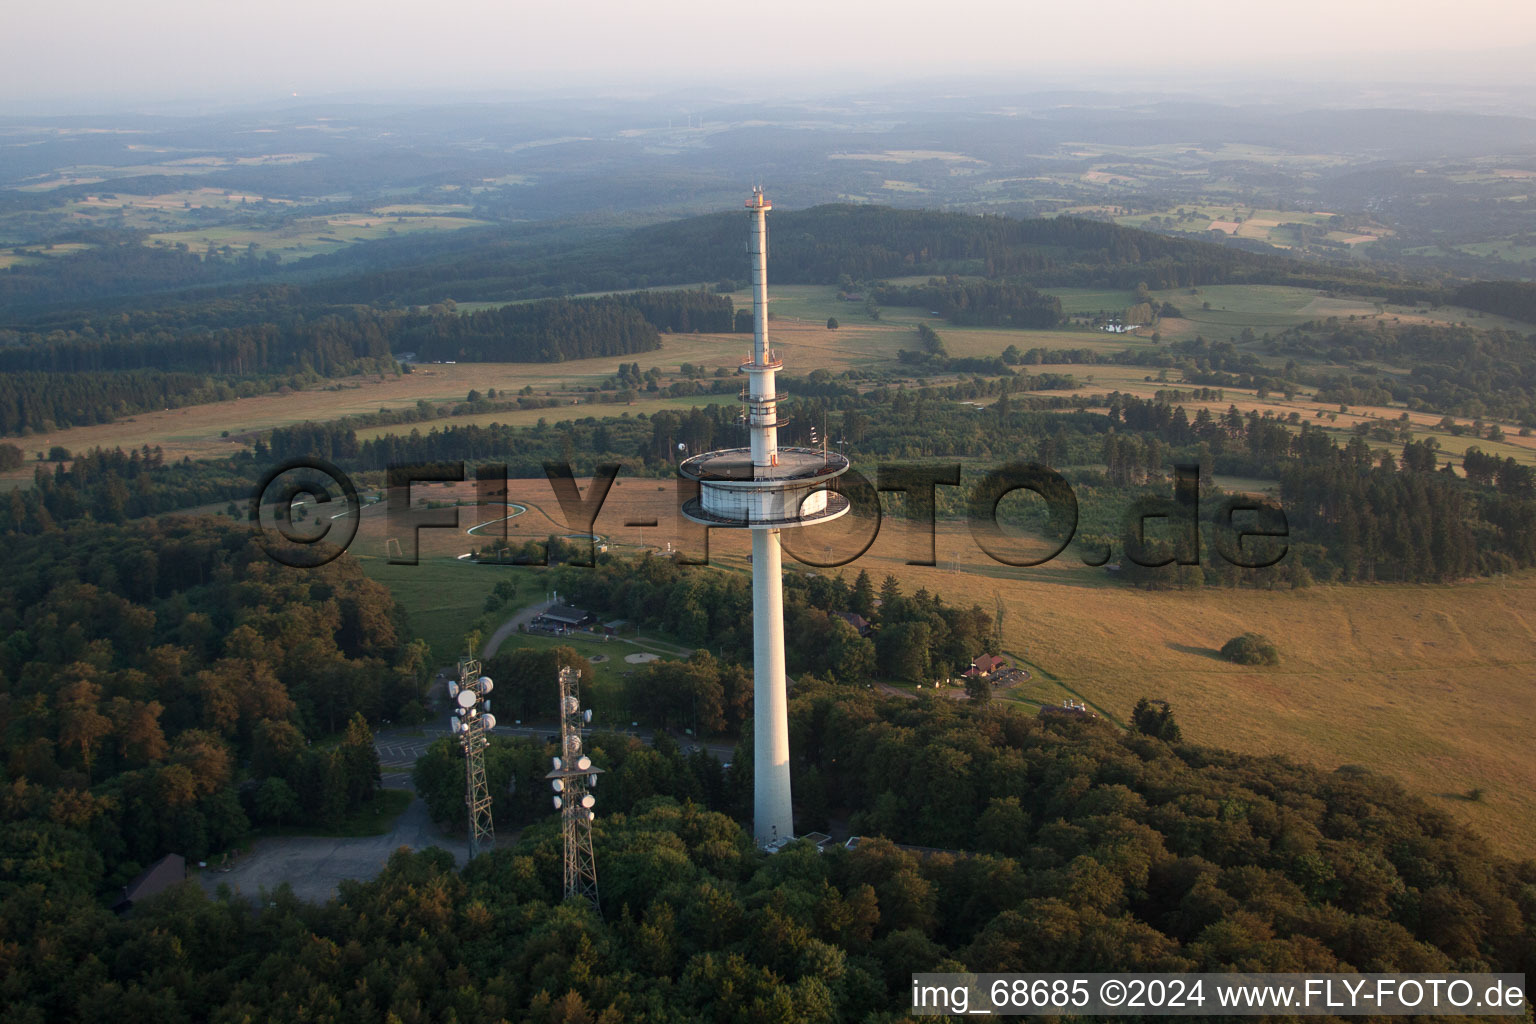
765, 489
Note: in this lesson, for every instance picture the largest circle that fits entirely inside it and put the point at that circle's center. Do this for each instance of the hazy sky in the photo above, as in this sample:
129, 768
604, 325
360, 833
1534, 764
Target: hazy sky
179, 49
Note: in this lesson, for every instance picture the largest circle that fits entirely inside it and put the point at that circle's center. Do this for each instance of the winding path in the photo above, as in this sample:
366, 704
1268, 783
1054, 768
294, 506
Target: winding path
511, 504
509, 627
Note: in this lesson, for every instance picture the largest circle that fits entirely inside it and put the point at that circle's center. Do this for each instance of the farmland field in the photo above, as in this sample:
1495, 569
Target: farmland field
312, 236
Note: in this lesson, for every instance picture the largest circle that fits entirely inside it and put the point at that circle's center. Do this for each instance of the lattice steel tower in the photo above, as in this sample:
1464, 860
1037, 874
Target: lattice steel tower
765, 489
472, 722
573, 775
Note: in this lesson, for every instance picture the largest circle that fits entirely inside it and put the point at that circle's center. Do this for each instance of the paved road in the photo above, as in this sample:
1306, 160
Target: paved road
399, 748
511, 626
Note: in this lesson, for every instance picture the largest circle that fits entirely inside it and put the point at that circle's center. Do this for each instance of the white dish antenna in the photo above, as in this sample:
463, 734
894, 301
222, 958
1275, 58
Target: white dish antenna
466, 699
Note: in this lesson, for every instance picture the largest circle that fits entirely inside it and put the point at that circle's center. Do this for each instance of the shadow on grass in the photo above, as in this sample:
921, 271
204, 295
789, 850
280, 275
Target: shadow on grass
1204, 652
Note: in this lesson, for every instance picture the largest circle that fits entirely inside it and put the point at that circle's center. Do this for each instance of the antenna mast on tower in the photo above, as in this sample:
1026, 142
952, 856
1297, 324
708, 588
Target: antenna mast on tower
573, 775
472, 722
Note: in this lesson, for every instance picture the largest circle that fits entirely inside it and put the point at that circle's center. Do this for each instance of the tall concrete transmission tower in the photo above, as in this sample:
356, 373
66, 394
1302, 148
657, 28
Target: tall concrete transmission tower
765, 489
571, 778
472, 722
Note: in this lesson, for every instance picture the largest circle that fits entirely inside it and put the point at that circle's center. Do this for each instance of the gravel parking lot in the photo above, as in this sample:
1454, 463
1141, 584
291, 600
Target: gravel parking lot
313, 865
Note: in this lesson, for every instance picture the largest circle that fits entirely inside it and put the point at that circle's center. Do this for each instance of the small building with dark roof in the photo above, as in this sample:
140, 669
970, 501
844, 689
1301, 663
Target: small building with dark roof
158, 877
858, 622
563, 615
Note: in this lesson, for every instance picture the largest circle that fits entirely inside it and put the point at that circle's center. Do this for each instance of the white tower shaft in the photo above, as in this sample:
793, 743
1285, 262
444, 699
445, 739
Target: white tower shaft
765, 488
773, 815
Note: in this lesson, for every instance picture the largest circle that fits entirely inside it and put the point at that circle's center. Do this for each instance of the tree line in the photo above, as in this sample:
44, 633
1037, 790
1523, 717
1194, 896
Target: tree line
552, 330
984, 303
39, 402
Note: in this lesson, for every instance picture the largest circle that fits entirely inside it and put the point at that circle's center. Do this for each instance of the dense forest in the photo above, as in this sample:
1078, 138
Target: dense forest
161, 686
39, 402
334, 340
1514, 299
977, 303
865, 243
556, 329
1071, 846
326, 342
